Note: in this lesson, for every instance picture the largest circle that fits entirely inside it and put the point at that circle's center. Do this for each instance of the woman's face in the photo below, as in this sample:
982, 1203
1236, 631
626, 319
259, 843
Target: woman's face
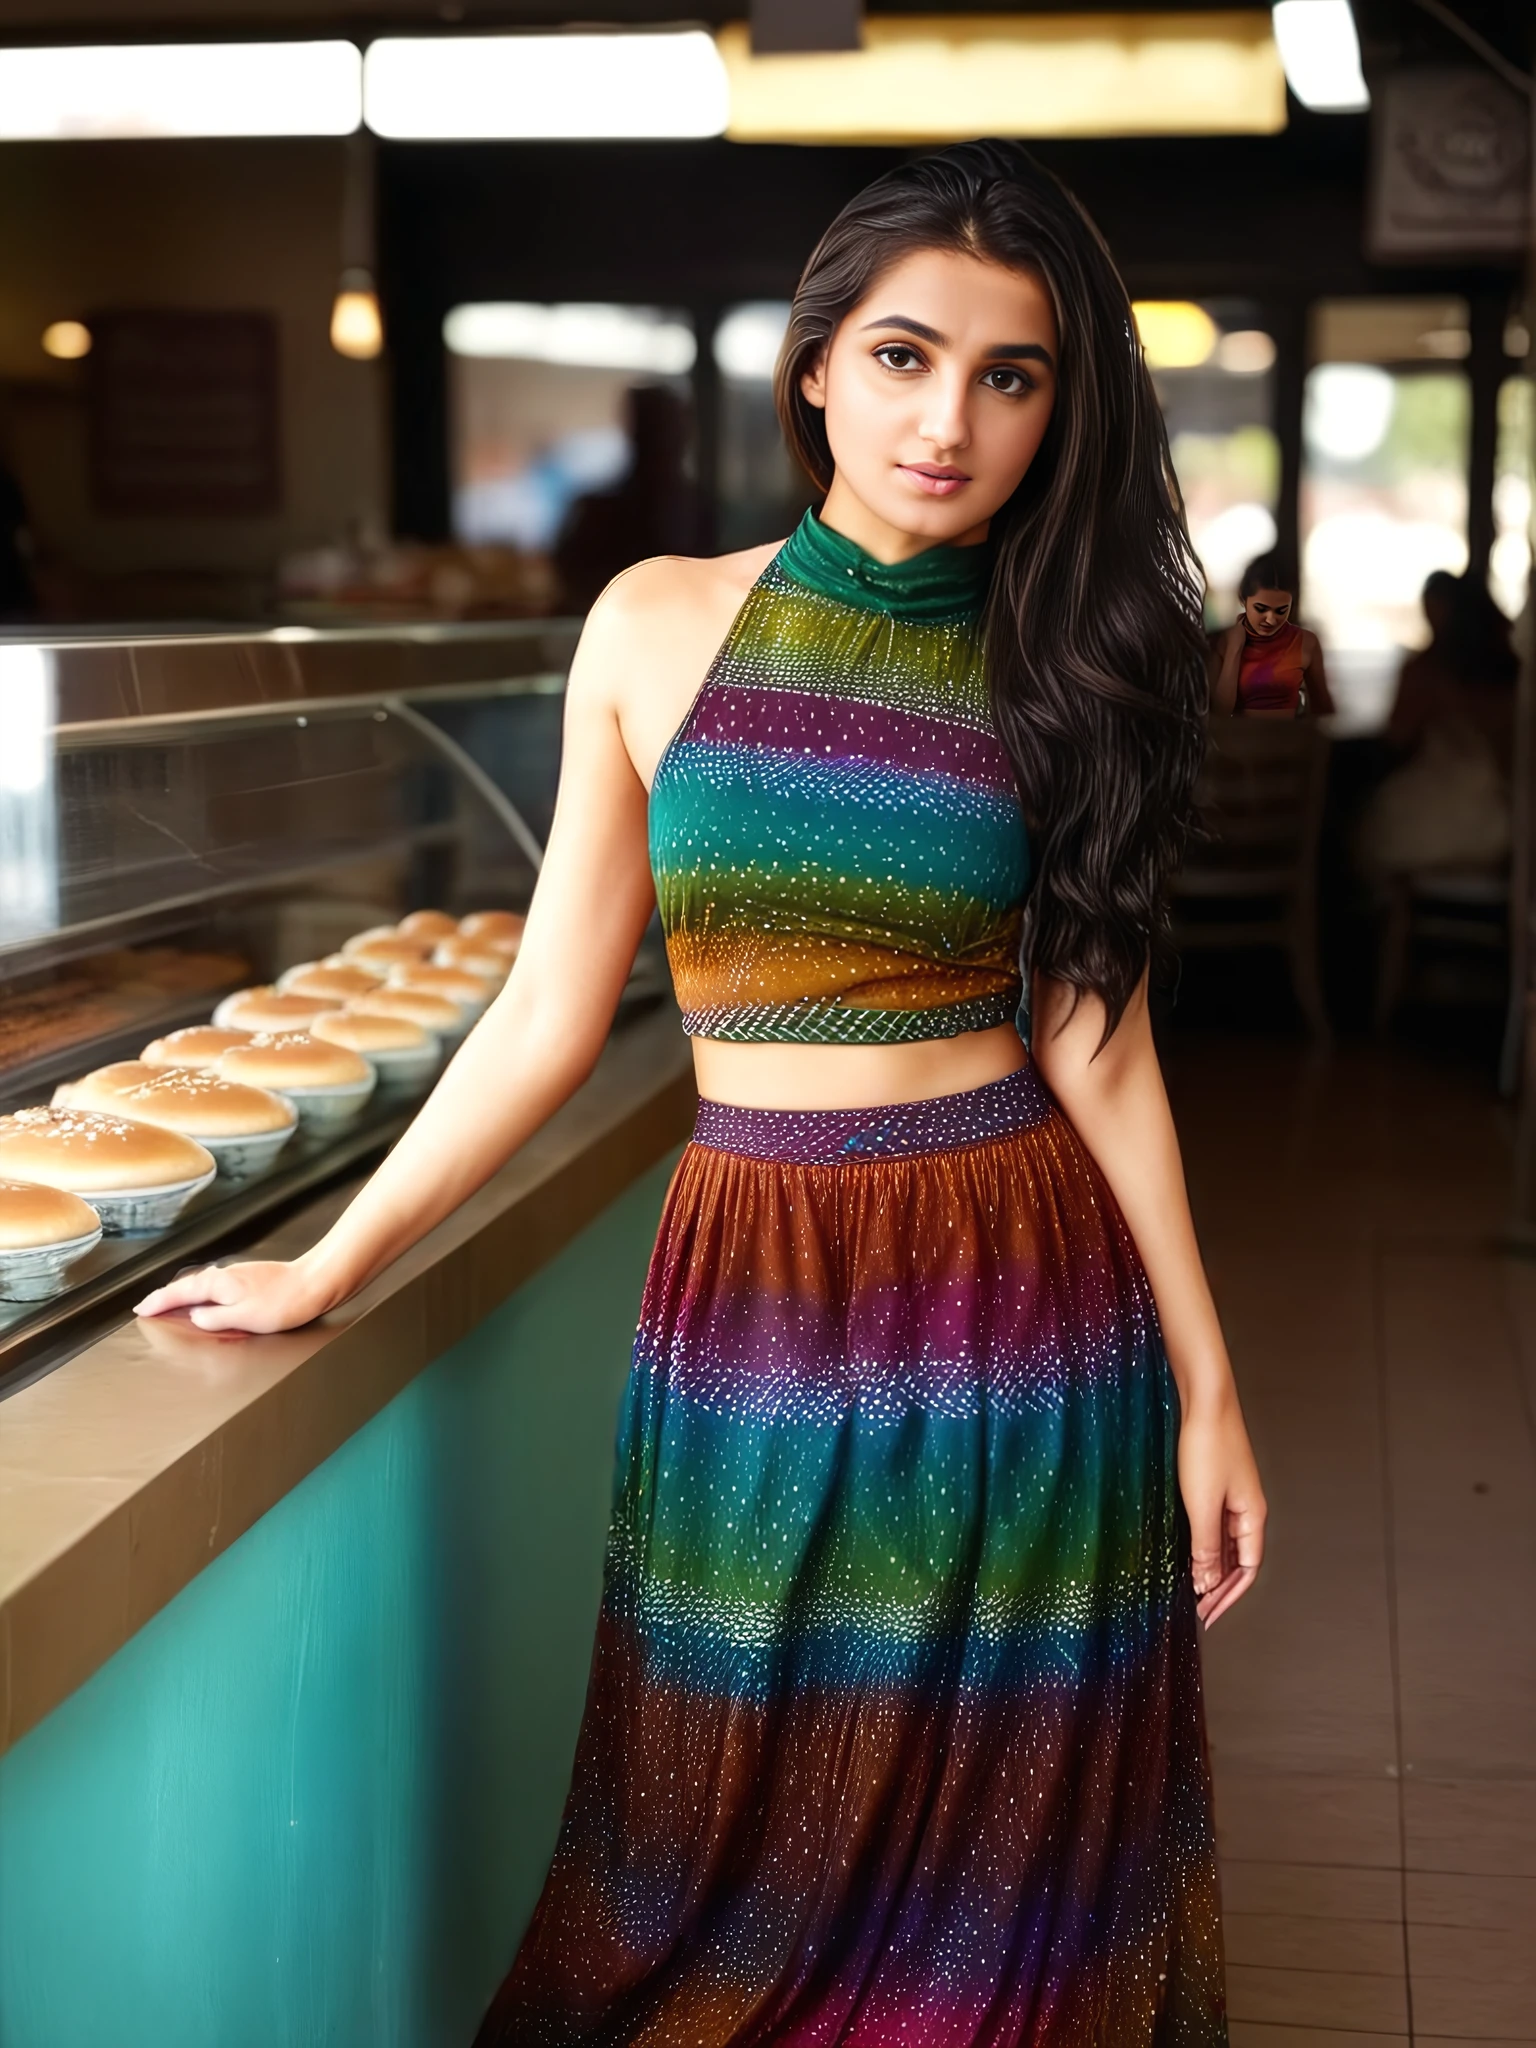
938, 388
1267, 611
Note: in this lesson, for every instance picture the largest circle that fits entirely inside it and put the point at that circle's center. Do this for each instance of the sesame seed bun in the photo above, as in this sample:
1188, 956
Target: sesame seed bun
333, 984
365, 1033
418, 1006
203, 1105
265, 1009
89, 1153
195, 1045
289, 1060
33, 1216
431, 925
105, 1087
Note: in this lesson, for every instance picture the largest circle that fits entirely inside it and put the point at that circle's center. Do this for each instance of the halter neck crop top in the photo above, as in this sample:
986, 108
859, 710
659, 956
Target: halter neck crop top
835, 830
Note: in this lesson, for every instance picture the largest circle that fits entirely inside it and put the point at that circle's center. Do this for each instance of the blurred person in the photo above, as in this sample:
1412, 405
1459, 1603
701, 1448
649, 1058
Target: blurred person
1264, 665
1452, 729
653, 510
931, 1461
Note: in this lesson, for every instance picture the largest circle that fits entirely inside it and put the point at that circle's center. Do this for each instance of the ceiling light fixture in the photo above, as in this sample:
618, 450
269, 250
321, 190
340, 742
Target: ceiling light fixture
67, 340
1175, 334
357, 326
1321, 54
127, 91
549, 87
938, 77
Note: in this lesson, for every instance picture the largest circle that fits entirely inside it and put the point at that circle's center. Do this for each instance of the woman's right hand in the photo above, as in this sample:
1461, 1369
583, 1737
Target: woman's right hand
260, 1296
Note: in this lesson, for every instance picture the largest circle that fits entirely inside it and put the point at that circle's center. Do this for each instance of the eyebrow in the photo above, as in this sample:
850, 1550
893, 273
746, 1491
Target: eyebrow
1030, 351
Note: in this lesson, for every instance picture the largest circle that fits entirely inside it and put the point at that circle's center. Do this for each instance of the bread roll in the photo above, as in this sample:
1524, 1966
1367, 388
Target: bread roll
105, 1087
335, 984
383, 950
374, 931
88, 1153
204, 1105
291, 1060
456, 983
371, 1034
419, 1006
264, 1009
492, 925
195, 1045
33, 1215
430, 925
475, 956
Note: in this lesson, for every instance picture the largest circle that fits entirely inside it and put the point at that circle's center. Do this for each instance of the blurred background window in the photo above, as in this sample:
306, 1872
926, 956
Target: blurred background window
1213, 364
540, 406
1509, 563
761, 491
1386, 430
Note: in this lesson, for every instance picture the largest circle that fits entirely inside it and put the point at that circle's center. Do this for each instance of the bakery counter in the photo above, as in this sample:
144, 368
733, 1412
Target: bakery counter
132, 1466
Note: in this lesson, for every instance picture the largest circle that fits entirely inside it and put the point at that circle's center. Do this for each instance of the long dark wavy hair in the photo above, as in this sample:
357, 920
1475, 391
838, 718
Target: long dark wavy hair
1095, 649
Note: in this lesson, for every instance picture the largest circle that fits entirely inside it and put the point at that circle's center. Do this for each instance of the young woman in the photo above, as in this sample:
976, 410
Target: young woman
1264, 665
931, 1456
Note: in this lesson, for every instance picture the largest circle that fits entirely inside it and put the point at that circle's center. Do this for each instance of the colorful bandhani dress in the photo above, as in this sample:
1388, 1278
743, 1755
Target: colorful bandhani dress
894, 1734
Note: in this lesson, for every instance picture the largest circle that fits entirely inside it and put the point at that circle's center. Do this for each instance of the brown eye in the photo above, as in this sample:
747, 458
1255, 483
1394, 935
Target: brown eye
897, 356
1010, 382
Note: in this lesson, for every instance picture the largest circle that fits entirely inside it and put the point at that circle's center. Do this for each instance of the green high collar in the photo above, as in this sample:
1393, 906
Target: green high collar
943, 582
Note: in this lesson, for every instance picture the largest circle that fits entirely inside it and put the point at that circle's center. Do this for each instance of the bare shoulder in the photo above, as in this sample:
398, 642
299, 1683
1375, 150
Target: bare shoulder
650, 638
661, 592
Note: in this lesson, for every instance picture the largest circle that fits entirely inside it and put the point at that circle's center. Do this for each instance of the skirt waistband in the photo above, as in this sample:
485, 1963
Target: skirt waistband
901, 1130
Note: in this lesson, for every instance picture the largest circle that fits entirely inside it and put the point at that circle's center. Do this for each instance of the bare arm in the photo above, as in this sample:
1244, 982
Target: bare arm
1226, 660
1116, 1102
1319, 696
530, 1051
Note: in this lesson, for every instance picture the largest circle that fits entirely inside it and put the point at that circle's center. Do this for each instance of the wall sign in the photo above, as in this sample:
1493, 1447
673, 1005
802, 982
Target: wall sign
1451, 167
184, 414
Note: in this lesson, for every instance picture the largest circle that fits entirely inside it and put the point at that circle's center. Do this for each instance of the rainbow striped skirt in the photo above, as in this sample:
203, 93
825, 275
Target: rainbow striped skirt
894, 1733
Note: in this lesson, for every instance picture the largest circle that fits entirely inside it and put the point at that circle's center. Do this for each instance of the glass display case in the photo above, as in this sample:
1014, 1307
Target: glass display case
183, 818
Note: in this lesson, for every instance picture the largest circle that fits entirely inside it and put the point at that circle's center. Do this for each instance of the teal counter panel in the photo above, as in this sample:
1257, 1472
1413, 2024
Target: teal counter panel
312, 1801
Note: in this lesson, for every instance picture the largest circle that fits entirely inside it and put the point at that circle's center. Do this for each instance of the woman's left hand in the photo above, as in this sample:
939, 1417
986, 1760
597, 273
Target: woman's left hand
1225, 1504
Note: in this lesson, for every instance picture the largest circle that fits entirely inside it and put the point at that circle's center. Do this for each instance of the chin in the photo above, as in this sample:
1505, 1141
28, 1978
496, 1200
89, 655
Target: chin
935, 519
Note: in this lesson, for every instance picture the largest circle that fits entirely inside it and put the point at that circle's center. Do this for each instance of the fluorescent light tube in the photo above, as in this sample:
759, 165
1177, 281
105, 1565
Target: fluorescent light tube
1321, 54
176, 89
464, 88
938, 77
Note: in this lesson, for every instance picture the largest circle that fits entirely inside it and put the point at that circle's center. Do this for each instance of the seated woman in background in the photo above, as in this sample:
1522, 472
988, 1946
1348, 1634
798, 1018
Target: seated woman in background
1448, 804
1264, 665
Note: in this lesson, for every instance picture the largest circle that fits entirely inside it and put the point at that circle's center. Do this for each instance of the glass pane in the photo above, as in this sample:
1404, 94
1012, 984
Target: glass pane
762, 492
1383, 504
1217, 395
556, 410
1509, 566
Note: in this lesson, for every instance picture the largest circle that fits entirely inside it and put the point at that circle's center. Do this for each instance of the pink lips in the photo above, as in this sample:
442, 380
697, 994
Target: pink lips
939, 480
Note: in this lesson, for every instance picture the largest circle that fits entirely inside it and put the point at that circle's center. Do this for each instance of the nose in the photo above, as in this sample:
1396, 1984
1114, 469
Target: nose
946, 421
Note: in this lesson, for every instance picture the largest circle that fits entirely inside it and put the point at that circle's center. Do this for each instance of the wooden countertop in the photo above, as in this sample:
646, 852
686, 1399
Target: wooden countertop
135, 1463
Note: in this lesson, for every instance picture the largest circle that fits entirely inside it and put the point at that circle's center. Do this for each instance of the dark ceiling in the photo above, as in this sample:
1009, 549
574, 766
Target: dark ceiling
1391, 29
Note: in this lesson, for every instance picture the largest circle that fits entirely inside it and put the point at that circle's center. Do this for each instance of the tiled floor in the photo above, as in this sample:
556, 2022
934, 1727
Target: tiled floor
1372, 1705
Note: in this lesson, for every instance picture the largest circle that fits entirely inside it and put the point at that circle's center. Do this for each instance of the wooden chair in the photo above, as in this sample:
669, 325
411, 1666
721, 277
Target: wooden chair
1465, 908
1250, 876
